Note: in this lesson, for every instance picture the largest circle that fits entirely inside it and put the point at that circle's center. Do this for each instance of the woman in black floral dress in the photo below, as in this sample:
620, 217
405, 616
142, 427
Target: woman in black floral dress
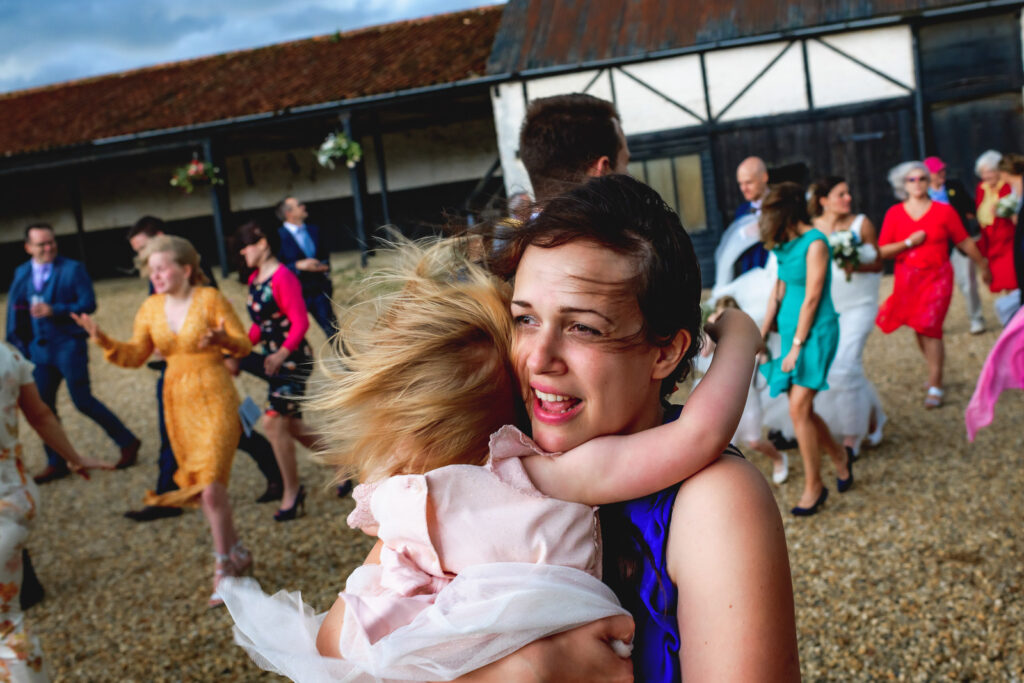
280, 323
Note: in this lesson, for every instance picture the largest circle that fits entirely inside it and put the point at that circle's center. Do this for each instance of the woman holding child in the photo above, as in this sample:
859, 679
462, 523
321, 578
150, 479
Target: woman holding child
605, 318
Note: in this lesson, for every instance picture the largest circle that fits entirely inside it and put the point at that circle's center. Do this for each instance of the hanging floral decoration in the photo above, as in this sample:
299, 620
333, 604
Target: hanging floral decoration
336, 146
195, 174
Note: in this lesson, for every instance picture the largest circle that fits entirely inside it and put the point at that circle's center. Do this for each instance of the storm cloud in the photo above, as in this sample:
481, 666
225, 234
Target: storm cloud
59, 40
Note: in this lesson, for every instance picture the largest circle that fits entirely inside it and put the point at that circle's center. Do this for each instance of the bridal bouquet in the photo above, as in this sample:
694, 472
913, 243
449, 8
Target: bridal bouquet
337, 146
1007, 206
844, 245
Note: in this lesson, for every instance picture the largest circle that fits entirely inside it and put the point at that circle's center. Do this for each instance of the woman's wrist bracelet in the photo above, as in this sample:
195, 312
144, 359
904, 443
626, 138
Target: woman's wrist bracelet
909, 244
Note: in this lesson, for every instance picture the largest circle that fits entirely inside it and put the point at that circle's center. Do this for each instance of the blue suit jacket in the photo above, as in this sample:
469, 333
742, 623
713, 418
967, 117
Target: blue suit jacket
290, 252
68, 290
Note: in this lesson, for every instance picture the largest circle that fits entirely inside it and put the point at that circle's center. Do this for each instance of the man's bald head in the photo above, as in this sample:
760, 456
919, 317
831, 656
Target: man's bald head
752, 177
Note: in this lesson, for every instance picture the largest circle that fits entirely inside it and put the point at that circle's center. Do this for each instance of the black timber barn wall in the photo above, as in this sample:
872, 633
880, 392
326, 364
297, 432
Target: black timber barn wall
858, 143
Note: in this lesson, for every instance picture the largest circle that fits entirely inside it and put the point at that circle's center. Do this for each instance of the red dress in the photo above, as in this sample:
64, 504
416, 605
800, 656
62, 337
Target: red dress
923, 278
996, 244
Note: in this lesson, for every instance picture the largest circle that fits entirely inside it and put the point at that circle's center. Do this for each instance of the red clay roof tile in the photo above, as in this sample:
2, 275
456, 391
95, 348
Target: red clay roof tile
394, 57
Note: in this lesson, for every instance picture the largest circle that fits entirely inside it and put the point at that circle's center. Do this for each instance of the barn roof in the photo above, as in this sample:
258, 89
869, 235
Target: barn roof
540, 34
403, 56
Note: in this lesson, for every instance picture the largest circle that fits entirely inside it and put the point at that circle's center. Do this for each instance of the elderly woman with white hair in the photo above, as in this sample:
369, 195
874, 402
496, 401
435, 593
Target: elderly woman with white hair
916, 233
998, 201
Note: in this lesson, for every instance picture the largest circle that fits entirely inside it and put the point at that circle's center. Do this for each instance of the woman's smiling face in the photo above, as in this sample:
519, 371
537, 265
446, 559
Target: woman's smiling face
570, 304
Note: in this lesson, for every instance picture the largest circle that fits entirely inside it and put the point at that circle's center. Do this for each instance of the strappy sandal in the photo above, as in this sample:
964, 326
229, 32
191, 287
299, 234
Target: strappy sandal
934, 398
241, 560
221, 569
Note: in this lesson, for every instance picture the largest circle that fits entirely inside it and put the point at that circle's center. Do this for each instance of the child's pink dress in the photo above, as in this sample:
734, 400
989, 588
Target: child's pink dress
476, 562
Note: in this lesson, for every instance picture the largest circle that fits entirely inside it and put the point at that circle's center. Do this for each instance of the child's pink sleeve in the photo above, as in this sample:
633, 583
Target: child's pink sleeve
288, 295
362, 516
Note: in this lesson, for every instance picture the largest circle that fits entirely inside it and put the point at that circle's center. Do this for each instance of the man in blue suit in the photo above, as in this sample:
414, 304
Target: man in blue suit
752, 178
304, 250
45, 291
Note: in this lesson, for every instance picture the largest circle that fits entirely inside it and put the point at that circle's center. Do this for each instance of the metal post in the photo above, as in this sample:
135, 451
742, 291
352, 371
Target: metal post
919, 118
378, 148
76, 209
220, 206
355, 175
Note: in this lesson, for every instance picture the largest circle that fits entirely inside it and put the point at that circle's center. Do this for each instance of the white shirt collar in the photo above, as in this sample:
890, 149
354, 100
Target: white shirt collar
292, 228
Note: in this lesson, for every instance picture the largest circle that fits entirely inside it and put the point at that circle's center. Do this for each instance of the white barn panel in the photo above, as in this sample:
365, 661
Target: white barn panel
120, 195
890, 50
644, 111
782, 89
561, 85
32, 201
509, 110
837, 80
602, 87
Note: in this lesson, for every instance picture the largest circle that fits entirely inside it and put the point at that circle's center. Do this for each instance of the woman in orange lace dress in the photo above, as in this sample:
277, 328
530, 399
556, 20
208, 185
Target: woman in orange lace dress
192, 326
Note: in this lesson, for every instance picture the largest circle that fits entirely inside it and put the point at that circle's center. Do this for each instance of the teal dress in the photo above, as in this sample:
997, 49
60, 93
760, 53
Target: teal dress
811, 369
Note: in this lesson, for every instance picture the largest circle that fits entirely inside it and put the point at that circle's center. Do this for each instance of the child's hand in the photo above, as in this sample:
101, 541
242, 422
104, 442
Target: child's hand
736, 327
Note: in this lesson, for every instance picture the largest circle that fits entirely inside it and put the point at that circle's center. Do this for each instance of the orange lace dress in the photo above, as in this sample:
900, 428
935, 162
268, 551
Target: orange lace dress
200, 401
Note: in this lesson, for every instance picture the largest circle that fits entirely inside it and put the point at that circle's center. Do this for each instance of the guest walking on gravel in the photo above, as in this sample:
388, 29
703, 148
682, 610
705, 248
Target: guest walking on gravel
253, 443
21, 659
279, 322
850, 407
191, 326
916, 233
801, 304
46, 291
998, 201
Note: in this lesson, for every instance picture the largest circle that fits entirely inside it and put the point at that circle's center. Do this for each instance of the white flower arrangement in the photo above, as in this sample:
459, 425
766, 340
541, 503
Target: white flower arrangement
1007, 206
844, 245
337, 146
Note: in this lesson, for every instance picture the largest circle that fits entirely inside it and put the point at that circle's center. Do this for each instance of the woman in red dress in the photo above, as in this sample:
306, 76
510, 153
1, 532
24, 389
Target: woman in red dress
916, 232
1000, 177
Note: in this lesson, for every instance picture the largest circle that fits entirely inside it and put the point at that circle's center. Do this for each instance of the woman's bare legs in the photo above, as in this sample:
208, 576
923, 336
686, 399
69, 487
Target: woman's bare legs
217, 508
278, 429
801, 408
301, 432
935, 355
811, 434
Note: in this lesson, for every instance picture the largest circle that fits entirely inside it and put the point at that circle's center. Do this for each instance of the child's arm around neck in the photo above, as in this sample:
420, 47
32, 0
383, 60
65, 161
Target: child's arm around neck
609, 469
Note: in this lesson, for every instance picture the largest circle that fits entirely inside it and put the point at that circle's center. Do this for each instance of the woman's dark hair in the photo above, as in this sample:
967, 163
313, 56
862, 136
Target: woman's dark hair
820, 189
1012, 163
251, 233
247, 234
624, 215
784, 207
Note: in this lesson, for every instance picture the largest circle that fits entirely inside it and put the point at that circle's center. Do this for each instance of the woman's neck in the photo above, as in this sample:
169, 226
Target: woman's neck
829, 221
267, 268
920, 202
182, 294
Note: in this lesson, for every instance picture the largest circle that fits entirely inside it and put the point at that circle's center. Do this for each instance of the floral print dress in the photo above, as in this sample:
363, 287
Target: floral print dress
279, 319
21, 659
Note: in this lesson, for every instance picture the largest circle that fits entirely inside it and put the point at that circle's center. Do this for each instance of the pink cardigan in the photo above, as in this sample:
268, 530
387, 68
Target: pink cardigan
288, 295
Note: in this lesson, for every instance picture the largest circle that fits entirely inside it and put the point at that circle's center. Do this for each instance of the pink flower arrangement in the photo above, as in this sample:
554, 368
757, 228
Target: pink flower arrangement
194, 174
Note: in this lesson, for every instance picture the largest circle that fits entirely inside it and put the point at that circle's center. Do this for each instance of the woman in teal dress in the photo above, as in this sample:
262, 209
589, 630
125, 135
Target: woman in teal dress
801, 305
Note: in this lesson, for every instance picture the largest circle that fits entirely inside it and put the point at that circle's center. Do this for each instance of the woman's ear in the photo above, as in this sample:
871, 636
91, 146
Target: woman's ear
669, 355
188, 273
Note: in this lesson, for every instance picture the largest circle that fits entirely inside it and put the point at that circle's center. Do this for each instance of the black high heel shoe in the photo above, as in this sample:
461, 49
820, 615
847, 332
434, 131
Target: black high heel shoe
844, 485
814, 509
297, 509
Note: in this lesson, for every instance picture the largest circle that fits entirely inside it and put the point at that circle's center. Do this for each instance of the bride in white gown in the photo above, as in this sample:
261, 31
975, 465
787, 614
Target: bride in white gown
850, 406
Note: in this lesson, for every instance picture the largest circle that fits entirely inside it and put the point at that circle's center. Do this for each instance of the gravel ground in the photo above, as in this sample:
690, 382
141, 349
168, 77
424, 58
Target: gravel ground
917, 574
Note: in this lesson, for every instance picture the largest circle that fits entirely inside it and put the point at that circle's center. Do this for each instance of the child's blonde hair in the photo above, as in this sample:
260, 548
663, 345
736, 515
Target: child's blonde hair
421, 374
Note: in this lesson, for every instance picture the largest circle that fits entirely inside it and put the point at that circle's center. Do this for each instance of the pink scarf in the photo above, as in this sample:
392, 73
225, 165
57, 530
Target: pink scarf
1003, 369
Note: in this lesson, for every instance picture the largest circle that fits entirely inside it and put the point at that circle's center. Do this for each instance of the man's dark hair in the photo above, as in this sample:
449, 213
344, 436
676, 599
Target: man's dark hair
151, 226
38, 226
279, 209
562, 136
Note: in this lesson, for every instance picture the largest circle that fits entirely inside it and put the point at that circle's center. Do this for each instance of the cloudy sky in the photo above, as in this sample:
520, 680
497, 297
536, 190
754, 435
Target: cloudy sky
48, 41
